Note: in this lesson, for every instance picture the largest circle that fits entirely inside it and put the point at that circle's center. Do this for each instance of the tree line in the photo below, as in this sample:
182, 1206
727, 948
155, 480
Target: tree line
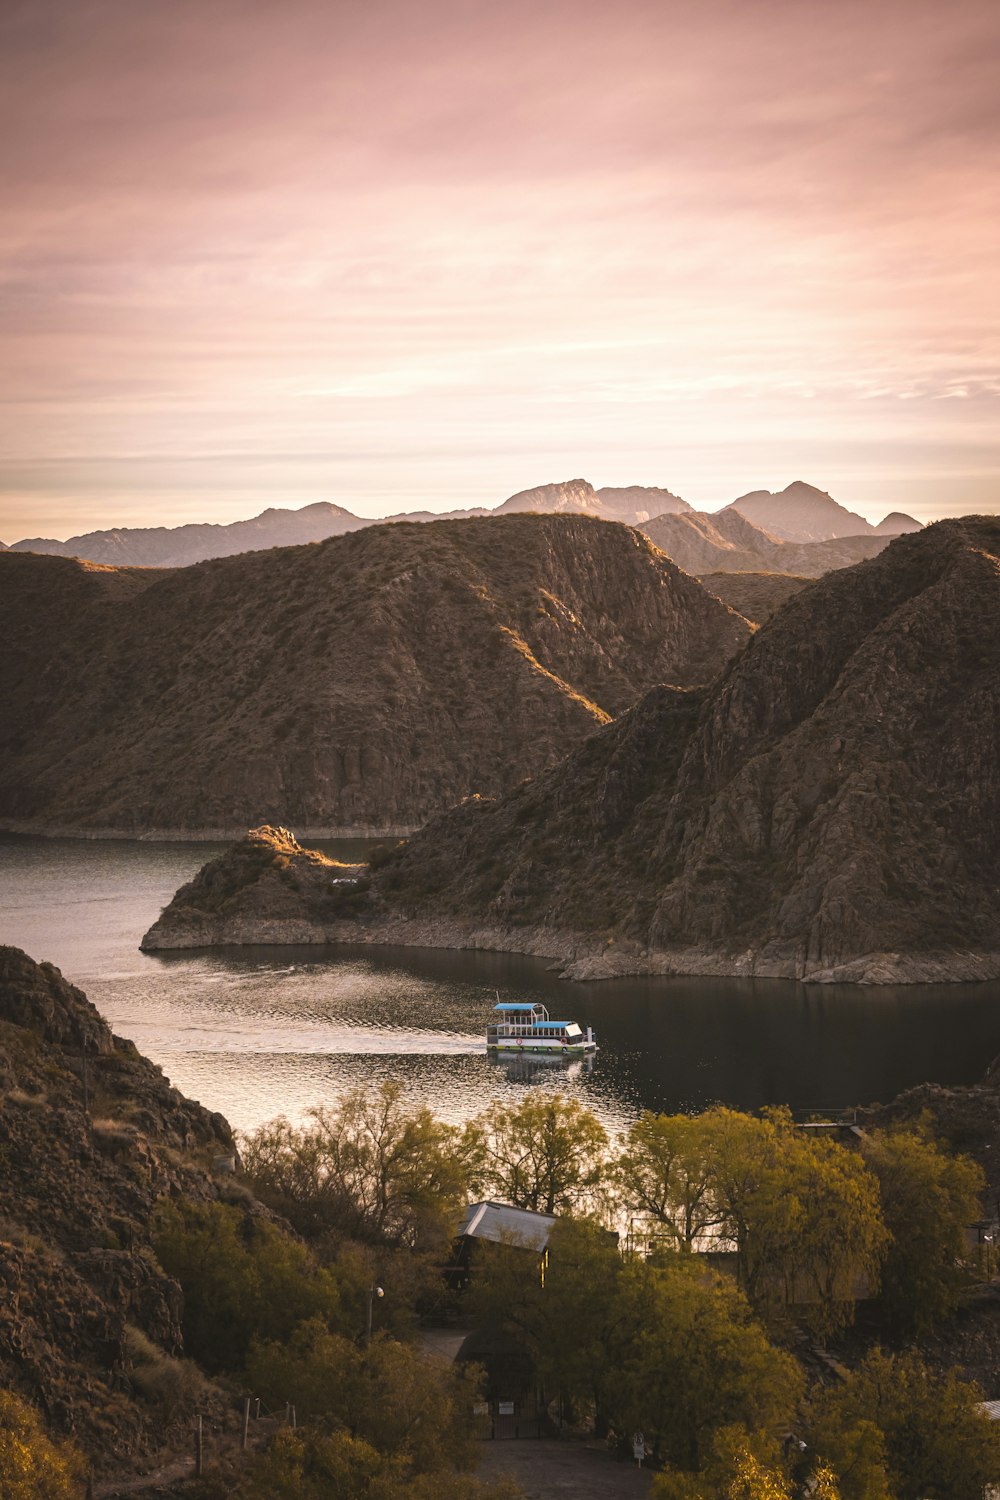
646, 1332
806, 1220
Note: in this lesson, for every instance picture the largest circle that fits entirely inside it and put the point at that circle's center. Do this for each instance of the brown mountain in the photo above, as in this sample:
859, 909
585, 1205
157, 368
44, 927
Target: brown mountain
725, 541
363, 683
896, 523
803, 513
828, 809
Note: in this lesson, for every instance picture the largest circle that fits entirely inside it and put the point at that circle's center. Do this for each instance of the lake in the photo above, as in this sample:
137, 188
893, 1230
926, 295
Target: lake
260, 1032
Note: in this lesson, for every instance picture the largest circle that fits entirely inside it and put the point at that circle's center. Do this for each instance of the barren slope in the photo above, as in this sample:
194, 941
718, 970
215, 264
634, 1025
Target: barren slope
830, 807
362, 683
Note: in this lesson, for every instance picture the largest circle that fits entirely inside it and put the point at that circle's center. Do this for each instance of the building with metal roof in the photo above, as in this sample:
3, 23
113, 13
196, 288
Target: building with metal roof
502, 1224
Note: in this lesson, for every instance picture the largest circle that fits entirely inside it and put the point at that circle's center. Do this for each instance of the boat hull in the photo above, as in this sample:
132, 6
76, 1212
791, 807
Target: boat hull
549, 1049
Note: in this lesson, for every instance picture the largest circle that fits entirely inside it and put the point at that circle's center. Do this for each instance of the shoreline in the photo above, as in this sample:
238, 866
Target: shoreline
25, 828
577, 956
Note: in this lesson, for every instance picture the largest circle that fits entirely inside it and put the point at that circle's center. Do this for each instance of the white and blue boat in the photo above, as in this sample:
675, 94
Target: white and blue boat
524, 1026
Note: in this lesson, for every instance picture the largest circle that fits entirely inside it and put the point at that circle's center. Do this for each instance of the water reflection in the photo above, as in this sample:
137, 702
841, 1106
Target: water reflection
258, 1032
534, 1068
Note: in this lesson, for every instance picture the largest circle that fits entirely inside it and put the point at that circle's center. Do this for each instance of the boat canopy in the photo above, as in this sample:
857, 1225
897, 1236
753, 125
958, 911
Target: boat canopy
517, 1005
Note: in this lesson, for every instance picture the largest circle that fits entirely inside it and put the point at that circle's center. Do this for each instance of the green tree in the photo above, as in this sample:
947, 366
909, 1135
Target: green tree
928, 1199
938, 1442
312, 1465
853, 1449
664, 1171
577, 1352
242, 1278
546, 1153
802, 1214
369, 1167
32, 1465
695, 1360
390, 1395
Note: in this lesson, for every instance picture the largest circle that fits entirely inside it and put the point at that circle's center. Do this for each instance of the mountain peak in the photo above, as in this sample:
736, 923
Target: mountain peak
896, 523
800, 513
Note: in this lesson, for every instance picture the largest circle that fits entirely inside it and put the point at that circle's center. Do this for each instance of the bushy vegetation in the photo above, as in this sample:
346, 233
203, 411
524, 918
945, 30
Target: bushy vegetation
32, 1465
243, 1278
744, 1231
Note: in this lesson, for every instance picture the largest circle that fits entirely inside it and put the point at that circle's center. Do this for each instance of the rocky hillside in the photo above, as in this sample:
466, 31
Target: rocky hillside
829, 809
364, 683
726, 542
91, 1135
265, 889
756, 596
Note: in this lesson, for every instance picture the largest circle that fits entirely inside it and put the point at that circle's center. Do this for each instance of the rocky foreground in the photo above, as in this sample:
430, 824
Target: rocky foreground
357, 685
828, 810
91, 1135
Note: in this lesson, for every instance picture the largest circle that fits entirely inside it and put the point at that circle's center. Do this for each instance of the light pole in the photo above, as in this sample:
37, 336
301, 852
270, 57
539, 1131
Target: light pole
373, 1292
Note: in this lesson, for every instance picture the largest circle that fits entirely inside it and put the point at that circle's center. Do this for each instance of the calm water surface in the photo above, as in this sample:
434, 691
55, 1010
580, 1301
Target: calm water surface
266, 1031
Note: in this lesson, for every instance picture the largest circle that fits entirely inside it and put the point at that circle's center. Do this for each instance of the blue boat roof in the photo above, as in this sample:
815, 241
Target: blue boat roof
517, 1005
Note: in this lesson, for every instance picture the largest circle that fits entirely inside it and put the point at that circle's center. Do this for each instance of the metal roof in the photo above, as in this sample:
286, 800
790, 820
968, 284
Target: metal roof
505, 1225
990, 1409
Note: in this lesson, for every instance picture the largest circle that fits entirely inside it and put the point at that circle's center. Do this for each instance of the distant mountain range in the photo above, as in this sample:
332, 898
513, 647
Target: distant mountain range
362, 684
725, 541
799, 514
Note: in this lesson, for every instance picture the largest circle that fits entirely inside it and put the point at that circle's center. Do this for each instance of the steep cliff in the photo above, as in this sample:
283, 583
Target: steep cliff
91, 1135
362, 683
830, 808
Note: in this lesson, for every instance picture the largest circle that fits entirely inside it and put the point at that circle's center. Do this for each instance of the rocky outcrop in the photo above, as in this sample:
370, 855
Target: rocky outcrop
363, 683
265, 889
91, 1136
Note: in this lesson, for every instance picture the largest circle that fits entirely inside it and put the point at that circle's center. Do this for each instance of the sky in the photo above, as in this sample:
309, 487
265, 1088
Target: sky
408, 254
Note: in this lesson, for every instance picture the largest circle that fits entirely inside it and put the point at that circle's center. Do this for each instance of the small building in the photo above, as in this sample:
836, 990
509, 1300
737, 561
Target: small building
498, 1224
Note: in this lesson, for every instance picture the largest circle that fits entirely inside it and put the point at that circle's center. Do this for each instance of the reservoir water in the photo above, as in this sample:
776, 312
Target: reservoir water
260, 1032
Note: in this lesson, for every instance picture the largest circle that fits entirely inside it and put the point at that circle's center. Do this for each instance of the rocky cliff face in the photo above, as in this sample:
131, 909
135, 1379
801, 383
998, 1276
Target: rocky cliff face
91, 1135
830, 809
360, 684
